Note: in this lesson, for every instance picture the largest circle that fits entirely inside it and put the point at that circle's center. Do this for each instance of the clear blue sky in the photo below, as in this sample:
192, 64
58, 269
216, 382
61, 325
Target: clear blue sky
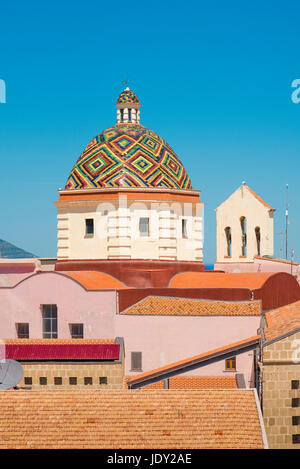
214, 79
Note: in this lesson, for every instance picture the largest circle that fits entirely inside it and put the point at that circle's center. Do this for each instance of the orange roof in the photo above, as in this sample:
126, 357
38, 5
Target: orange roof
195, 382
130, 420
251, 281
92, 280
282, 320
170, 306
57, 341
259, 198
182, 364
275, 260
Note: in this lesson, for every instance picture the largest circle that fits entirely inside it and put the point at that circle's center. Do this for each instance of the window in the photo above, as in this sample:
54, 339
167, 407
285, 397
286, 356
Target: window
243, 221
28, 380
103, 380
43, 380
136, 361
76, 331
22, 330
73, 381
88, 381
57, 380
49, 315
296, 438
144, 226
122, 115
295, 420
295, 402
230, 364
184, 228
257, 236
228, 240
129, 115
89, 226
295, 384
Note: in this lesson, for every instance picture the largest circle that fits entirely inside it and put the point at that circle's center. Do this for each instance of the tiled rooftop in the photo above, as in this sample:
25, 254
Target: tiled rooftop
130, 419
282, 320
168, 306
60, 349
251, 281
195, 382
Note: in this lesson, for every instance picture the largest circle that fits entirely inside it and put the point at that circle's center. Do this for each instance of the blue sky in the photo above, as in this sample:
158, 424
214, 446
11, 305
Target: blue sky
214, 79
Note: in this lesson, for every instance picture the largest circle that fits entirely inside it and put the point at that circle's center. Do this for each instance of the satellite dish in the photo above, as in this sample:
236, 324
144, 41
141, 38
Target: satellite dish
11, 373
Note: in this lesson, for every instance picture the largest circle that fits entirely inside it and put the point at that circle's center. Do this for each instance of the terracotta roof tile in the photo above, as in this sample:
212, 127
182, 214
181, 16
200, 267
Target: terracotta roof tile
194, 382
130, 419
57, 341
282, 320
251, 281
170, 306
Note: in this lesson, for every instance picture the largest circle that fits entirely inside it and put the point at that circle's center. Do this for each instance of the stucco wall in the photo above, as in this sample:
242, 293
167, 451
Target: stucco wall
242, 203
167, 339
74, 304
116, 230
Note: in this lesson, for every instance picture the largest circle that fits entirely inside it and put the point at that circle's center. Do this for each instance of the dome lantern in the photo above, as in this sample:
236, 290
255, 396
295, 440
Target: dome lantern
128, 108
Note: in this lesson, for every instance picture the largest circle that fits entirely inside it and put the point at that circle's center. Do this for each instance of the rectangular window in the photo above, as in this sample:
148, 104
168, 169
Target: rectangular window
296, 438
136, 361
184, 228
295, 384
230, 364
57, 380
76, 331
22, 330
103, 380
43, 380
144, 226
295, 402
89, 226
295, 420
88, 381
73, 381
28, 380
49, 315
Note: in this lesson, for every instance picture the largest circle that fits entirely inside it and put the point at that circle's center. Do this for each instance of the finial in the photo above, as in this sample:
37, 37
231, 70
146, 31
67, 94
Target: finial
126, 82
244, 183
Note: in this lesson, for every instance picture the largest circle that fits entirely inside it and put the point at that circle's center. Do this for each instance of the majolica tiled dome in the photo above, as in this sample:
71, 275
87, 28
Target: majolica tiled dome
128, 96
128, 155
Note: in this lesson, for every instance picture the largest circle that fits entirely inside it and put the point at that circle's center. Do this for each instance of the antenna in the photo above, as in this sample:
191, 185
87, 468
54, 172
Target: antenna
286, 221
11, 373
281, 235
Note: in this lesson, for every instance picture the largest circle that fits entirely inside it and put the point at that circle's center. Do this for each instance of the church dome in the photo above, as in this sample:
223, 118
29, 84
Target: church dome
128, 155
128, 96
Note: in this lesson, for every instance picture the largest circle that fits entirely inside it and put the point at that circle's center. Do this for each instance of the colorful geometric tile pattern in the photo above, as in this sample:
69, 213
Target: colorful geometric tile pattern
127, 96
128, 155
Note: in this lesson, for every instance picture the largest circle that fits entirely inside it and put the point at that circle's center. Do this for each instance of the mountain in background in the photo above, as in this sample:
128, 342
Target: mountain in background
9, 251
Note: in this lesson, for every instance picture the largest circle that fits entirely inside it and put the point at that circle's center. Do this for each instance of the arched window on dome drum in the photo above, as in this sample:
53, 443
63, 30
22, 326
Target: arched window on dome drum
122, 115
228, 240
257, 236
129, 115
243, 222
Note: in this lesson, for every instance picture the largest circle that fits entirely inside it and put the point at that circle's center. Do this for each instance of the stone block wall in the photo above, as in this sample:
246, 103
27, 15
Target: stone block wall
113, 372
281, 373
